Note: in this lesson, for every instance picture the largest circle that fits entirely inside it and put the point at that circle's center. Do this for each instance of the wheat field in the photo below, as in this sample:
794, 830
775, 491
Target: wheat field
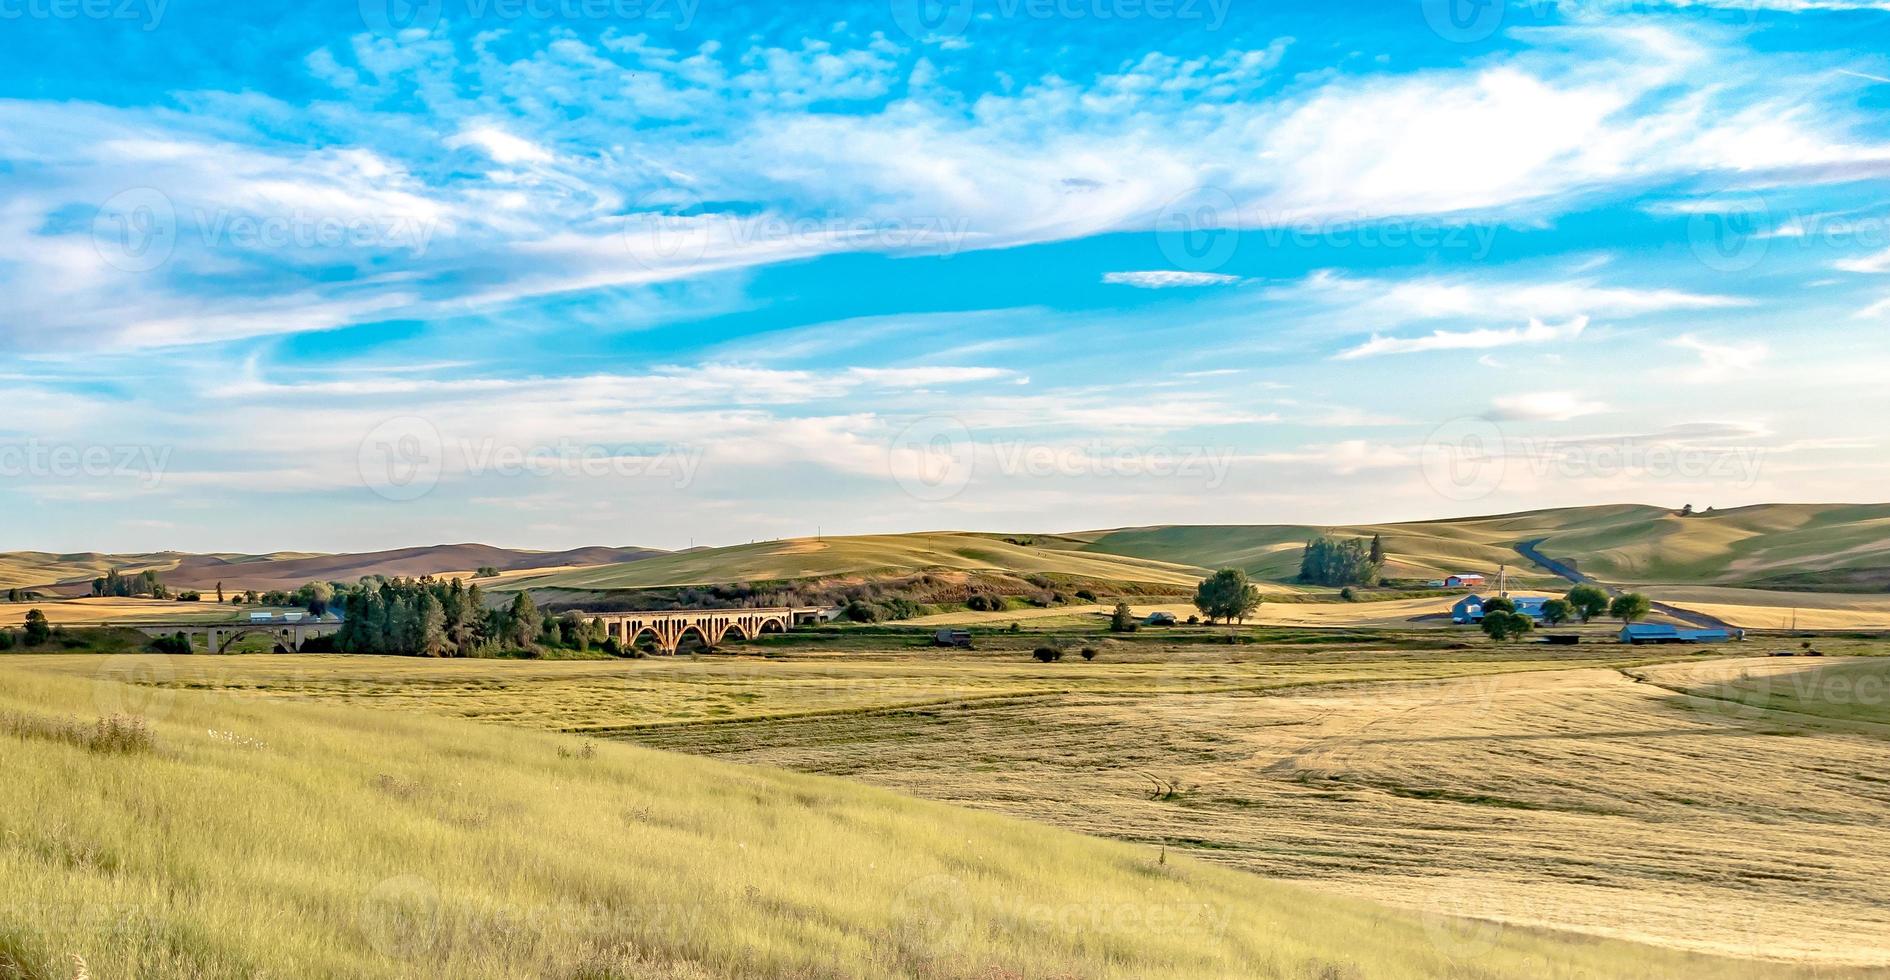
1591, 789
241, 836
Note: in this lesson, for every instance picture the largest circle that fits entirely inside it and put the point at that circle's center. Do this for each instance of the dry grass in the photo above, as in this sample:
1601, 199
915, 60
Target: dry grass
94, 611
801, 558
116, 733
344, 842
1755, 609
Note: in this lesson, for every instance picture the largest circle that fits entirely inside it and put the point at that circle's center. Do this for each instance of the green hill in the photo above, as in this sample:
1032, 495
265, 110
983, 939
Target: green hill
871, 555
1778, 545
235, 837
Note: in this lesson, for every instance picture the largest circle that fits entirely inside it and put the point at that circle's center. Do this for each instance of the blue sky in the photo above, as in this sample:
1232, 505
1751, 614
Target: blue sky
546, 273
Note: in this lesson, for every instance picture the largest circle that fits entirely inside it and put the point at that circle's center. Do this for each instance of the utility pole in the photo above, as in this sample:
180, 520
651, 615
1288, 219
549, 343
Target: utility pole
1502, 581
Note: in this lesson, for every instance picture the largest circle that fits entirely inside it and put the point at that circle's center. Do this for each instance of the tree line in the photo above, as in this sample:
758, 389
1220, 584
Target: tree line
428, 617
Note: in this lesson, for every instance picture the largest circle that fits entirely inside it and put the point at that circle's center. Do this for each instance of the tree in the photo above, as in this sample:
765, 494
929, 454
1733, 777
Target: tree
431, 627
1555, 612
486, 571
1122, 620
522, 617
1505, 626
219, 592
1330, 561
1499, 604
1631, 607
1378, 551
1686, 511
1226, 595
1588, 602
37, 629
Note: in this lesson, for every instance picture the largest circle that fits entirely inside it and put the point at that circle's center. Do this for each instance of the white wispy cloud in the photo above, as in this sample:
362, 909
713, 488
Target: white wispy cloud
909, 170
1167, 279
1545, 406
1536, 332
1722, 361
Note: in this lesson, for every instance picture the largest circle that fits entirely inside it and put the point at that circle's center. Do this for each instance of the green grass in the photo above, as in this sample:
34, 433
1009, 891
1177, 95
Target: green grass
807, 558
256, 837
1778, 543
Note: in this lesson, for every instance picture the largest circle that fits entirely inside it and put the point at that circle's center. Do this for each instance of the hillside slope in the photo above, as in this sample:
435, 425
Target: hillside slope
72, 574
1774, 544
265, 837
810, 558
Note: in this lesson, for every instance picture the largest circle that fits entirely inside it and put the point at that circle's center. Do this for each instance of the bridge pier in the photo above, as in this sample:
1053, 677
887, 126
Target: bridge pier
713, 626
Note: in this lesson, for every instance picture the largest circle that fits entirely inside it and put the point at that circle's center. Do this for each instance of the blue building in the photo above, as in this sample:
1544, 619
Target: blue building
1639, 633
1469, 610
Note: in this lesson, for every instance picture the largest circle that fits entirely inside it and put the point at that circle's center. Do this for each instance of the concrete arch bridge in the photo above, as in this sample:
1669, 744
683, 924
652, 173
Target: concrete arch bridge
710, 627
218, 637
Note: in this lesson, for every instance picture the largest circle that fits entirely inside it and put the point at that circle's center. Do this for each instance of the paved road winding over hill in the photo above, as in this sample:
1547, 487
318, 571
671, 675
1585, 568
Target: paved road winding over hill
1529, 550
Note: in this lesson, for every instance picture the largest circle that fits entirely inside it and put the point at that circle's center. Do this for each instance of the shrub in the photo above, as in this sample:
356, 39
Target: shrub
1089, 653
37, 629
1348, 595
1122, 620
1504, 626
7, 639
1047, 654
117, 733
861, 612
1194, 620
1017, 627
176, 643
1086, 595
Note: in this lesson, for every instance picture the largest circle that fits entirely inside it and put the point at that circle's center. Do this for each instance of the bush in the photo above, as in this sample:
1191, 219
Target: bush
1348, 595
176, 643
7, 639
1086, 595
1089, 653
1194, 620
1504, 626
1122, 620
1017, 627
1047, 654
38, 630
861, 612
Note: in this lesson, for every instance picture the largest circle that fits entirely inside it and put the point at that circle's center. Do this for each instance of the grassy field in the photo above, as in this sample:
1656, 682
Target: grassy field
1773, 544
91, 612
232, 836
804, 558
1760, 609
1427, 612
1526, 785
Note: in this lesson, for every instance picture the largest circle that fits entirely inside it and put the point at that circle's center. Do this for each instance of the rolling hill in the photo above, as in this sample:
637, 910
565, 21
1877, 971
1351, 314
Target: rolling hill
71, 574
1771, 545
873, 555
